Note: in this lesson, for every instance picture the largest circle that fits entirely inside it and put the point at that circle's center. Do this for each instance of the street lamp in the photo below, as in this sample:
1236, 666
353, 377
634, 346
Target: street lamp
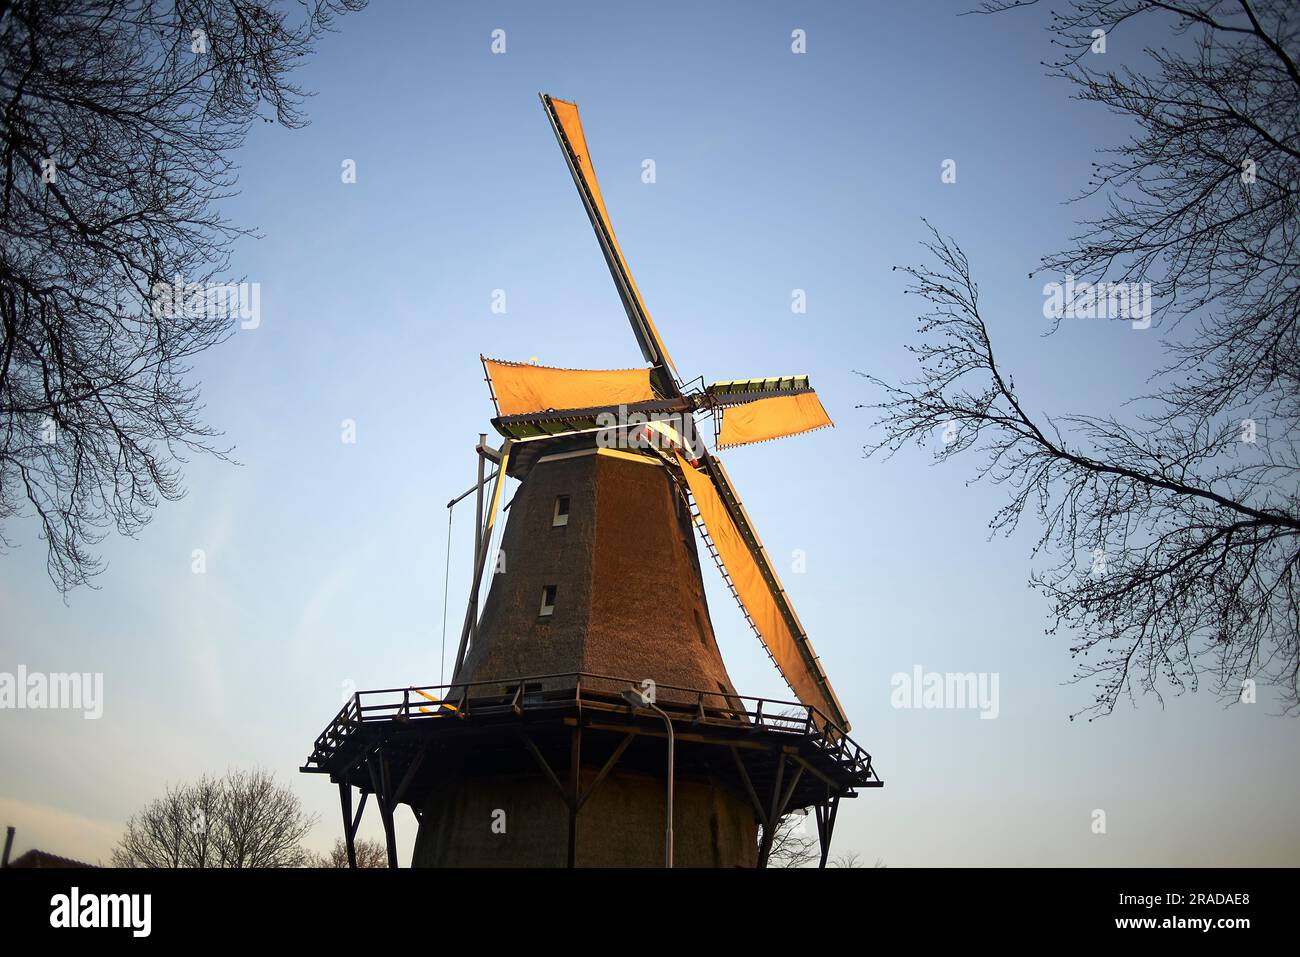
636, 699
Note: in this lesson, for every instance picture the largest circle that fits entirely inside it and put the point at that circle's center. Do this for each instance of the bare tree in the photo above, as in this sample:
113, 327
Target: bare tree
790, 846
370, 853
241, 820
118, 121
1177, 532
172, 831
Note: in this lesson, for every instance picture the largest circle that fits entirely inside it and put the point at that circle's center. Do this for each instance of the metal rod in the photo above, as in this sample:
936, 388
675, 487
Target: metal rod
470, 491
668, 823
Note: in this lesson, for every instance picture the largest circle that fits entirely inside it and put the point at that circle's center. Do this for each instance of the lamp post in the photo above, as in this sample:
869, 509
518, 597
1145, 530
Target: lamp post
636, 699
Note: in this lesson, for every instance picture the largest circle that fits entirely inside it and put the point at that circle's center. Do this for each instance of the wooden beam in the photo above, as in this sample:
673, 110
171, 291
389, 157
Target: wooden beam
609, 766
383, 783
479, 546
820, 811
749, 787
769, 830
789, 790
345, 802
774, 813
829, 828
406, 778
799, 760
480, 557
679, 735
356, 821
546, 768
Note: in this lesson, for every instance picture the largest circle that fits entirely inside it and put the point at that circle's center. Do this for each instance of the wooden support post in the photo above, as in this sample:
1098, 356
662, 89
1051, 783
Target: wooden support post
345, 802
471, 610
773, 815
789, 790
765, 846
568, 795
361, 809
390, 831
380, 780
820, 811
575, 789
482, 528
825, 827
479, 545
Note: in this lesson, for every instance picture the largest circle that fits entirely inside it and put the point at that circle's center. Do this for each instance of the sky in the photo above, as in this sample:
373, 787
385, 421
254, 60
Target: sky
775, 172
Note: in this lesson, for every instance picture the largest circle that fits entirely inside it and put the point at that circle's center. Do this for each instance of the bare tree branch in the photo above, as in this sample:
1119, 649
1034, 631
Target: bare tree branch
1191, 545
370, 854
1176, 533
242, 820
118, 121
790, 846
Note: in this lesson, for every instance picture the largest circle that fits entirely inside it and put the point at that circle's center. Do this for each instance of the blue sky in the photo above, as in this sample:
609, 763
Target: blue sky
775, 172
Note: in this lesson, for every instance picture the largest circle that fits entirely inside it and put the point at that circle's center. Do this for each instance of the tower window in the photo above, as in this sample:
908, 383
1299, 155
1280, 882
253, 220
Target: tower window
548, 600
561, 516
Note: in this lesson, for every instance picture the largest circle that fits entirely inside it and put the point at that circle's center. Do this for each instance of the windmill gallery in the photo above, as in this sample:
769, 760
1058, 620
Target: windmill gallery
586, 722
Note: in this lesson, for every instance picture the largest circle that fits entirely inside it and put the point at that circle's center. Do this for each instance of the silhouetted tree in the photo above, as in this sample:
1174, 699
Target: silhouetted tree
370, 853
118, 121
1176, 531
243, 819
790, 846
854, 859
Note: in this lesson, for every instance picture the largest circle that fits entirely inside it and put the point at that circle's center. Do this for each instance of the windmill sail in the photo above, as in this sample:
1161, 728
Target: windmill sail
568, 131
520, 388
772, 418
757, 587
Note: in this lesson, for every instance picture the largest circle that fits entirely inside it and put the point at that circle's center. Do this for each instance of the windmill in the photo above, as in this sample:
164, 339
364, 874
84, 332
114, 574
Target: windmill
541, 403
595, 646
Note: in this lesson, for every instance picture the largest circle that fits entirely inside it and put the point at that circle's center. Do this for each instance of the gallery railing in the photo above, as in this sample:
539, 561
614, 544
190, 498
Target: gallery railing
526, 695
